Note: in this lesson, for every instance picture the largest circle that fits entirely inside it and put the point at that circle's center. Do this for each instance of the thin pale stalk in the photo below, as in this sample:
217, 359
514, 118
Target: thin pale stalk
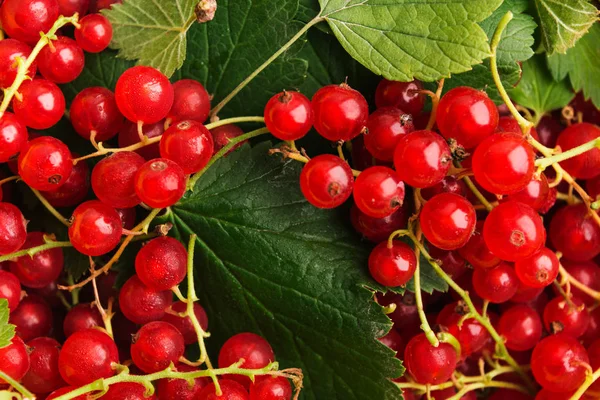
34, 250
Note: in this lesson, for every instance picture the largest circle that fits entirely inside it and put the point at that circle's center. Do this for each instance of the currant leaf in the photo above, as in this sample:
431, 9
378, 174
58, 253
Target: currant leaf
7, 331
293, 273
430, 280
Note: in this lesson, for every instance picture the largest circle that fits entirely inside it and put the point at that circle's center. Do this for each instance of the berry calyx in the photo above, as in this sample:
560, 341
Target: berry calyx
94, 33
392, 265
162, 263
95, 229
288, 115
448, 221
189, 144
160, 183
326, 181
378, 192
156, 345
190, 102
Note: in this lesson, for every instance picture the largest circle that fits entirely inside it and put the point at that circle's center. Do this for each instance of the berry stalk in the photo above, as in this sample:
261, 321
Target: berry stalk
50, 244
589, 380
545, 162
17, 386
49, 207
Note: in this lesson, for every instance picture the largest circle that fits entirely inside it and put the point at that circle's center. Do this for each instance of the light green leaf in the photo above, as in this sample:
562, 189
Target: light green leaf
7, 331
563, 22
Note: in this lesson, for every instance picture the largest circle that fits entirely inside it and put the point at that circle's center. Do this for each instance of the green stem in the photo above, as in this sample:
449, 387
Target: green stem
235, 120
589, 381
446, 337
215, 111
20, 388
223, 151
50, 208
495, 384
545, 162
429, 333
488, 206
33, 250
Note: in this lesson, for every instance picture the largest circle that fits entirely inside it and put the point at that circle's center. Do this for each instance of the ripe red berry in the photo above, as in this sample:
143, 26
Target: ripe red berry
97, 5
94, 33
33, 318
288, 115
113, 179
558, 363
191, 102
231, 390
447, 185
392, 265
13, 228
10, 49
450, 261
144, 94
538, 270
42, 268
574, 232
378, 192
75, 188
326, 181
70, 7
86, 356
81, 317
156, 345
400, 94
503, 163
569, 318
41, 105
271, 388
14, 359
160, 183
25, 19
184, 324
10, 289
448, 393
140, 304
535, 194
497, 284
223, 134
43, 376
471, 335
587, 273
127, 216
466, 115
422, 159
513, 231
384, 128
61, 61
428, 364
189, 144
521, 327
45, 163
586, 165
340, 112
476, 252
394, 341
94, 111
127, 391
64, 390
378, 229
128, 135
255, 350
95, 229
180, 389
448, 221
13, 136
161, 263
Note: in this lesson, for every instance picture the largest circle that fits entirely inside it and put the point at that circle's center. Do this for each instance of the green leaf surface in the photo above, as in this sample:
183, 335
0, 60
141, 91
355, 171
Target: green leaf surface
7, 331
538, 91
268, 262
581, 64
563, 22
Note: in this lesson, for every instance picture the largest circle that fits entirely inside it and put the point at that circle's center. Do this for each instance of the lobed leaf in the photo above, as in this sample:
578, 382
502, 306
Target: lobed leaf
7, 331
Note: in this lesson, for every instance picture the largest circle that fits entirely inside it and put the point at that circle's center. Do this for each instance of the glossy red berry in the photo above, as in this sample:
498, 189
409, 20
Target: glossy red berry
191, 102
81, 317
378, 192
14, 359
144, 94
513, 231
288, 115
13, 228
574, 232
450, 261
394, 341
113, 179
527, 294
128, 216
223, 134
422, 159
569, 318
385, 127
75, 188
392, 265
43, 376
128, 135
41, 105
33, 318
400, 94
42, 268
521, 326
559, 363
586, 165
231, 390
538, 270
97, 5
471, 335
180, 389
255, 350
189, 144
497, 284
447, 185
428, 364
25, 19
156, 345
160, 183
406, 315
86, 356
476, 252
326, 181
10, 49
127, 391
95, 228
594, 354
592, 187
161, 263
10, 289
45, 163
271, 388
94, 33
535, 194
65, 390
61, 61
466, 115
94, 111
378, 229
70, 7
13, 136
340, 112
140, 304
185, 325
587, 273
448, 393
503, 163
448, 221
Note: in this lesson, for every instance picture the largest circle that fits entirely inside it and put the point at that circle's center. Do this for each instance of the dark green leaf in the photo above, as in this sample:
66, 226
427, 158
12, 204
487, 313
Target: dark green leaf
7, 331
430, 280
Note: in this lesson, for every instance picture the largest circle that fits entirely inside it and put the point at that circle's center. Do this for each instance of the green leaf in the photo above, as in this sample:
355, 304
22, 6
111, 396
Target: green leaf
7, 331
581, 64
538, 91
152, 32
268, 262
403, 39
562, 23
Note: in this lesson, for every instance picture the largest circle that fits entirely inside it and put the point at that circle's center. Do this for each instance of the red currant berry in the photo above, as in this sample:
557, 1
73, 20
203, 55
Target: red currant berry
70, 7
113, 179
593, 331
497, 285
185, 325
384, 128
161, 263
156, 345
45, 163
25, 19
160, 183
448, 221
86, 356
392, 265
41, 105
378, 192
127, 391
191, 102
587, 273
538, 270
476, 251
61, 61
223, 134
75, 188
559, 363
450, 261
569, 318
10, 289
451, 392
95, 229
592, 187
340, 112
230, 390
548, 130
428, 364
575, 233
256, 352
140, 304
33, 318
127, 216
471, 335
521, 327
13, 136
422, 159
394, 341
180, 389
144, 94
447, 185
594, 354
378, 229
466, 115
94, 33
58, 393
97, 5
503, 163
526, 294
14, 359
535, 194
13, 231
326, 181
10, 49
94, 112
42, 268
403, 95
271, 388
43, 376
128, 135
288, 115
513, 231
189, 144
508, 124
81, 317
406, 315
586, 165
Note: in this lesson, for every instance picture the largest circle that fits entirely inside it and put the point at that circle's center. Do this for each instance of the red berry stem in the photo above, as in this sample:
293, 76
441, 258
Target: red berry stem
106, 314
50, 207
16, 385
